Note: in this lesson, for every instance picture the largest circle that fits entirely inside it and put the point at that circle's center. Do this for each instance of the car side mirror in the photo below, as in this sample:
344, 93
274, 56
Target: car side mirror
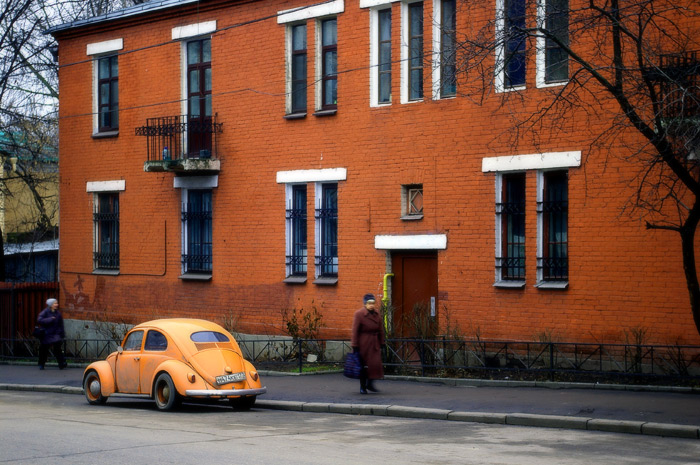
120, 349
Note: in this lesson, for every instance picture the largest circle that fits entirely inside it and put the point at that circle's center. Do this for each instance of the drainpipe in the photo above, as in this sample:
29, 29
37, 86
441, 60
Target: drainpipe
385, 300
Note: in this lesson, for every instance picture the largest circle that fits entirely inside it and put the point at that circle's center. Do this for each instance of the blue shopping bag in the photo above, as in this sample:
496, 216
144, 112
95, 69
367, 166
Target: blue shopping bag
353, 366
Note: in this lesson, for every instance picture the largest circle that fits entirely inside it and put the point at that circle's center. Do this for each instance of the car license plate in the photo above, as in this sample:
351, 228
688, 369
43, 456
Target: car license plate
232, 378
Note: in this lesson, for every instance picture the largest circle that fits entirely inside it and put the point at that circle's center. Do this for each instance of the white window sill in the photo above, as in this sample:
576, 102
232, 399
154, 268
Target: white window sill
295, 280
195, 277
411, 217
326, 112
329, 281
105, 134
509, 284
545, 85
560, 285
106, 272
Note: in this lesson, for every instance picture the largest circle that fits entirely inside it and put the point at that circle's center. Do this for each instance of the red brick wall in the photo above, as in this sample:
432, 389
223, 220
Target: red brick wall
621, 275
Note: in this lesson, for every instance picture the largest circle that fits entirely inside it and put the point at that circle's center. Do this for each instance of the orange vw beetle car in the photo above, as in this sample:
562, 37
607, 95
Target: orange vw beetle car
173, 359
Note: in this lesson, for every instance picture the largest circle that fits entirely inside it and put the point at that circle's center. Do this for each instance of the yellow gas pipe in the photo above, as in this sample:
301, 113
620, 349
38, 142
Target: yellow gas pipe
385, 300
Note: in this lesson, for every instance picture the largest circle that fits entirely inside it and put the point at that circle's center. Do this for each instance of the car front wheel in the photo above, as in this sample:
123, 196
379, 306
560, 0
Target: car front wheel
165, 394
92, 386
243, 403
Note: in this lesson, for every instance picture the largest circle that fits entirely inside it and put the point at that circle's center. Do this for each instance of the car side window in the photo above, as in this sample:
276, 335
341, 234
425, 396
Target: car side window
133, 341
155, 340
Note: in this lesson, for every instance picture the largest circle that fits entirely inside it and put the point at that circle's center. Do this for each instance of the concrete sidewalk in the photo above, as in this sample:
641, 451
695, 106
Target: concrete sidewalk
659, 411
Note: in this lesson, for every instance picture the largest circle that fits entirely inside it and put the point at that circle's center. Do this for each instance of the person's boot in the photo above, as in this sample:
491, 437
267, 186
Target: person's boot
371, 387
363, 386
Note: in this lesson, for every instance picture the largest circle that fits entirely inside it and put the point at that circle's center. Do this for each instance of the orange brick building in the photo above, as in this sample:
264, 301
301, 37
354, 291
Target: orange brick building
234, 159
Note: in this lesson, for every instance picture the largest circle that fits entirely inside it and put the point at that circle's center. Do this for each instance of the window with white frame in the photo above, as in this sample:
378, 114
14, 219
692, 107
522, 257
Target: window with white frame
552, 204
199, 98
105, 218
296, 230
196, 94
552, 227
296, 68
552, 58
108, 91
197, 231
445, 53
105, 85
326, 230
511, 39
412, 51
380, 55
324, 14
106, 231
325, 234
327, 64
510, 227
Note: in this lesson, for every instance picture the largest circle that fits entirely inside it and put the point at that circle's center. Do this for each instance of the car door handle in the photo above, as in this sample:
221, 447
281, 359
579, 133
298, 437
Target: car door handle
136, 359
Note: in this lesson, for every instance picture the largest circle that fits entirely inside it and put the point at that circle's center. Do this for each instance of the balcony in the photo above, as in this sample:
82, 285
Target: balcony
677, 80
181, 144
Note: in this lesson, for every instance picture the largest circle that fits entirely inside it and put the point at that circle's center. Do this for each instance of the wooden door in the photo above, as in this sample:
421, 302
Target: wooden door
414, 294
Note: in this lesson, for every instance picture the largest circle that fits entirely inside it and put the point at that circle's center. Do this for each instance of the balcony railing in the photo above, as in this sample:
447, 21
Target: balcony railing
677, 82
171, 141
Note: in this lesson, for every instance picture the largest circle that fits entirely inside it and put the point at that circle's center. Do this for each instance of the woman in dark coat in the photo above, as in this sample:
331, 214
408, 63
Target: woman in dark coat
368, 339
51, 320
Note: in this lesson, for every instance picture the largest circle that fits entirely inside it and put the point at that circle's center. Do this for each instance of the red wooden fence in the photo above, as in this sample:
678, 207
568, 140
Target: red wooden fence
20, 304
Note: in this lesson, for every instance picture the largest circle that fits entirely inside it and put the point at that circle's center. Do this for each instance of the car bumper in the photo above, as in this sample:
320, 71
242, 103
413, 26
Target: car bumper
224, 392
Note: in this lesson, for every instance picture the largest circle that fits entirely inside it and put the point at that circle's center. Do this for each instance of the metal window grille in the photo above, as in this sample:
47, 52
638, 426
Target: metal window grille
296, 219
327, 216
106, 226
511, 263
554, 208
197, 222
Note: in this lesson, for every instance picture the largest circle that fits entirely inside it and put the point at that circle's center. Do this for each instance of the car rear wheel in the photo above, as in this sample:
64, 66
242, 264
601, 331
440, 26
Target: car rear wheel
92, 386
243, 403
165, 394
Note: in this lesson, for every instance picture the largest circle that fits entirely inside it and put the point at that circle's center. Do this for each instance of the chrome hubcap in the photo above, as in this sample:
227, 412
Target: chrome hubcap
95, 387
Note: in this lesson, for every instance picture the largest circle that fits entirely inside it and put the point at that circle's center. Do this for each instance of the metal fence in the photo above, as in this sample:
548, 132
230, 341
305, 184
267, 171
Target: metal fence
444, 358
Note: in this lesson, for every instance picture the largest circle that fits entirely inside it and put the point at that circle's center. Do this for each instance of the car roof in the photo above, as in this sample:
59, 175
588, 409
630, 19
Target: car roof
180, 329
181, 326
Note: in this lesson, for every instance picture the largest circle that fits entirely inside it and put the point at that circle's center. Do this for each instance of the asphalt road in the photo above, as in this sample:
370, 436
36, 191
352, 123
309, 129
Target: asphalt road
53, 428
681, 408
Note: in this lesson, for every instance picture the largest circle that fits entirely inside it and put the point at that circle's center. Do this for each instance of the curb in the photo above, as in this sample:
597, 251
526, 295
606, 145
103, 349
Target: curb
543, 384
514, 419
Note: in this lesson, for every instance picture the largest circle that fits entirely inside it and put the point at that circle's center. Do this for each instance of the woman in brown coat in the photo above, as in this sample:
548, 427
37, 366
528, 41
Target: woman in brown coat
368, 339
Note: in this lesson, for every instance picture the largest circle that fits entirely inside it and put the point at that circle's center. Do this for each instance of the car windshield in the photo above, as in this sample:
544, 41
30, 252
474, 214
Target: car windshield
209, 336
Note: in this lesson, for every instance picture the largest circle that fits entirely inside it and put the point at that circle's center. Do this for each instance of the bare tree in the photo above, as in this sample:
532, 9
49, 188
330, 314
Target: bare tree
638, 59
29, 100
